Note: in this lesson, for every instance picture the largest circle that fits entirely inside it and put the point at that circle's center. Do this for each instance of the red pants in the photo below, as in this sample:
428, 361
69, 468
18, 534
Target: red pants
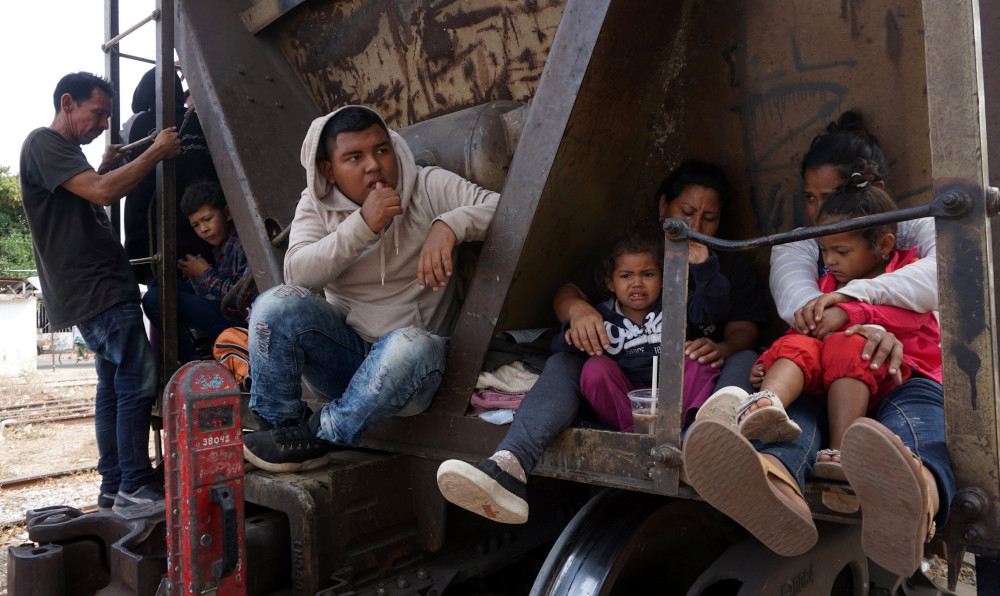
837, 356
605, 387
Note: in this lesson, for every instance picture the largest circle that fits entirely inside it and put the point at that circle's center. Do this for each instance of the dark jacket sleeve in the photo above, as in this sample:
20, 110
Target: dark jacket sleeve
709, 300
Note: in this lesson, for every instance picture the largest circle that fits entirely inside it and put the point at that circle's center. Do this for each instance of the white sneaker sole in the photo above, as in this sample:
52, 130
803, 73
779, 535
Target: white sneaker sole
473, 490
309, 464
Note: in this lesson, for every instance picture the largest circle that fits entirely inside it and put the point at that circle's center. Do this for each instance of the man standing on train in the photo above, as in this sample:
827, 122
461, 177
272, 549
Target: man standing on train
376, 234
86, 279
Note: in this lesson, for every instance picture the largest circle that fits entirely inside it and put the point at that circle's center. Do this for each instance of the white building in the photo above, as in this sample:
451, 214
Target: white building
18, 347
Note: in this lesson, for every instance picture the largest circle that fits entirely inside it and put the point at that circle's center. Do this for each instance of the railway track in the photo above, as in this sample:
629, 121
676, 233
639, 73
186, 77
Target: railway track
49, 410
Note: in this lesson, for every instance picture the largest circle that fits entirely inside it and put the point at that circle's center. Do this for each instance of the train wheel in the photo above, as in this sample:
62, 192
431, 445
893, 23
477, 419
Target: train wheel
623, 542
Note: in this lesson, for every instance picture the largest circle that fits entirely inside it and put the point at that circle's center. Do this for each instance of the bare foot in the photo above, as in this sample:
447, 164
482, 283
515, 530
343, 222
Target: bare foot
760, 403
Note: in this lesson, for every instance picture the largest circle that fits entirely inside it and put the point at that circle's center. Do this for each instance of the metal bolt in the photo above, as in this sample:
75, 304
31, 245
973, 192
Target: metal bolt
401, 582
972, 533
971, 503
206, 539
421, 573
380, 590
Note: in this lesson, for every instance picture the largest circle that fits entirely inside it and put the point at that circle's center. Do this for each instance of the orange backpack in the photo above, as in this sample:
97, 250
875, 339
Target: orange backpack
232, 352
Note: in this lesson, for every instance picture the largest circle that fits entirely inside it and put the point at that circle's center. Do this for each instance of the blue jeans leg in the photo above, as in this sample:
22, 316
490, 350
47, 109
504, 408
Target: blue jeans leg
194, 311
399, 377
914, 411
126, 390
295, 334
548, 408
736, 371
798, 456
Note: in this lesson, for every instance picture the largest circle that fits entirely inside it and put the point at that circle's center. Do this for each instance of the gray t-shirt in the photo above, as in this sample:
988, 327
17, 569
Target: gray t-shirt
80, 260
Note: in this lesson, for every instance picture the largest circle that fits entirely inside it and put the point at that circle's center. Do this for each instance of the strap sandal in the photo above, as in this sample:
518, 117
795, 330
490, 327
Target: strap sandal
897, 508
730, 475
723, 405
769, 424
829, 469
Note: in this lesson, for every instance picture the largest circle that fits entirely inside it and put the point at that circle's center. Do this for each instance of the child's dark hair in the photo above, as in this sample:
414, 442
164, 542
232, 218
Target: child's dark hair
844, 142
349, 119
858, 197
202, 194
633, 243
695, 173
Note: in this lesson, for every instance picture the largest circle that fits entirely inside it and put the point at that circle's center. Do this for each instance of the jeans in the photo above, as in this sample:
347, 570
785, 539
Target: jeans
548, 408
914, 411
126, 391
736, 371
194, 311
297, 336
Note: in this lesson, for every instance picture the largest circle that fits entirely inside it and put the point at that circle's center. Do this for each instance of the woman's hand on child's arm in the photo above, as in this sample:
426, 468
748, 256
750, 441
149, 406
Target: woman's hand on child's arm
881, 347
809, 316
587, 332
192, 266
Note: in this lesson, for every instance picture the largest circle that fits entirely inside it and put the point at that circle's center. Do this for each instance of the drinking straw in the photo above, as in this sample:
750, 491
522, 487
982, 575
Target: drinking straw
656, 363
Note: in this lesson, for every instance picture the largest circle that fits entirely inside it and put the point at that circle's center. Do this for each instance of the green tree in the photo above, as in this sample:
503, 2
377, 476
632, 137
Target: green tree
15, 242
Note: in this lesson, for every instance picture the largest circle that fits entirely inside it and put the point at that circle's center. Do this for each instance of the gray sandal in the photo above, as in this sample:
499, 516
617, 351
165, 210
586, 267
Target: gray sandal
829, 470
769, 424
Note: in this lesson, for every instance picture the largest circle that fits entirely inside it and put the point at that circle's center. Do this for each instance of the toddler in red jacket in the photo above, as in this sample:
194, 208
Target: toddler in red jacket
830, 364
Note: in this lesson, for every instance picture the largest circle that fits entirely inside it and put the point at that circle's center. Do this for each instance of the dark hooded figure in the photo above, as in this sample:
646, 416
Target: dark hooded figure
194, 164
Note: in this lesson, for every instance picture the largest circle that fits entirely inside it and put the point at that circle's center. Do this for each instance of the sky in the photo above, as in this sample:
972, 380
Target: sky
43, 40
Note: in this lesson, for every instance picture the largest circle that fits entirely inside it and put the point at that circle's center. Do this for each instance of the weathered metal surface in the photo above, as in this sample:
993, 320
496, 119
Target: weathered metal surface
413, 60
965, 266
265, 12
254, 115
166, 190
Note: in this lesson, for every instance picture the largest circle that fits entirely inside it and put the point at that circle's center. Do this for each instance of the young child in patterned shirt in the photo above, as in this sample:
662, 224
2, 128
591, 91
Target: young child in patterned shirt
199, 299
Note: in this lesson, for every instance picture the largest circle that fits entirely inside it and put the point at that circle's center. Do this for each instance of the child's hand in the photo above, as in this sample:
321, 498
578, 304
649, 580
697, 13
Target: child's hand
192, 266
757, 375
834, 319
705, 351
807, 317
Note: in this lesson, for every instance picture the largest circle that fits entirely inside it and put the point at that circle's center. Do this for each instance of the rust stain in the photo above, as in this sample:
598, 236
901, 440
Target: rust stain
417, 59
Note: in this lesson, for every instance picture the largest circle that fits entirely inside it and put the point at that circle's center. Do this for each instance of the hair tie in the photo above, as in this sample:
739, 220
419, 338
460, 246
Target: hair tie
863, 183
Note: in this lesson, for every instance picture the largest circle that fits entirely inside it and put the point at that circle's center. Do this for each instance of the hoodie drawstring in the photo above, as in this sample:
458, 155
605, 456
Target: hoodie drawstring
381, 249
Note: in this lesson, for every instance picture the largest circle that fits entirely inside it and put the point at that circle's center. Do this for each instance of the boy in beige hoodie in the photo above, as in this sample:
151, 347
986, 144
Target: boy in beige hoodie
376, 234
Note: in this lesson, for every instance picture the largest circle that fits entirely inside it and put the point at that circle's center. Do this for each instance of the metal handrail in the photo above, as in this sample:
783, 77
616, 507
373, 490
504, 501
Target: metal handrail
951, 204
153, 16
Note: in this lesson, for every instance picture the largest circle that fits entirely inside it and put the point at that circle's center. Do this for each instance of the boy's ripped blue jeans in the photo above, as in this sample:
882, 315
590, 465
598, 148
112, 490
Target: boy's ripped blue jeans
126, 390
297, 336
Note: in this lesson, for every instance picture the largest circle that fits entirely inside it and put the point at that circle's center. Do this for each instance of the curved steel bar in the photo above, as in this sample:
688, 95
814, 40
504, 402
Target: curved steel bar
952, 204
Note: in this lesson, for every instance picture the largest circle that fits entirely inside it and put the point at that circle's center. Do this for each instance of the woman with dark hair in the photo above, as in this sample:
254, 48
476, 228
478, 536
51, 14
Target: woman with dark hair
896, 461
495, 487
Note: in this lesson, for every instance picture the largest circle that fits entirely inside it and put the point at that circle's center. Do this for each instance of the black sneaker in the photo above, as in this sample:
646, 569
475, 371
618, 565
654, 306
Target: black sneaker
288, 448
106, 501
484, 489
149, 493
